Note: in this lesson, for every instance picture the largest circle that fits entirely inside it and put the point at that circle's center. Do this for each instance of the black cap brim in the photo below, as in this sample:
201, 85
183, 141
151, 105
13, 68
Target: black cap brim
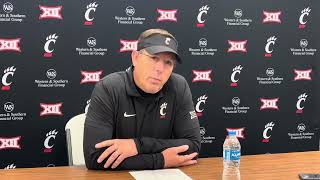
160, 49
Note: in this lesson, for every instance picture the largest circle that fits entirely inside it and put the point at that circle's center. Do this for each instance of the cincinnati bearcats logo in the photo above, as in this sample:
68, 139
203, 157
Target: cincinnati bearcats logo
167, 41
48, 146
51, 39
10, 166
302, 19
268, 127
9, 72
201, 100
90, 8
162, 110
234, 81
202, 10
267, 48
300, 107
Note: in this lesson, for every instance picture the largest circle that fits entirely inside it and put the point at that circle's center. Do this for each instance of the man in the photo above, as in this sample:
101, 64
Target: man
143, 118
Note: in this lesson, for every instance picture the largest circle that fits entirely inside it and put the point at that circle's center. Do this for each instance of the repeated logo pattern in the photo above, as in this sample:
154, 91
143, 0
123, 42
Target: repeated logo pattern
248, 70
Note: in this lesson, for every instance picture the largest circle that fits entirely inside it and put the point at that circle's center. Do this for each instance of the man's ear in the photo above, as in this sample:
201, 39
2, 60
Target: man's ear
134, 57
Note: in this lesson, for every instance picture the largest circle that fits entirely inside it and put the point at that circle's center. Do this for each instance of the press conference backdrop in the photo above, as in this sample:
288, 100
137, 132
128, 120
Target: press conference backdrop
252, 66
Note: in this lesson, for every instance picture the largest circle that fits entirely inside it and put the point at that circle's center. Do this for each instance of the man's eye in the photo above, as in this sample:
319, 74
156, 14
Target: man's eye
169, 62
155, 58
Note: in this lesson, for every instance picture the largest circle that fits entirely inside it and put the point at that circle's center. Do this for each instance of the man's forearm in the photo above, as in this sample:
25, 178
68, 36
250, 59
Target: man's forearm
146, 145
138, 162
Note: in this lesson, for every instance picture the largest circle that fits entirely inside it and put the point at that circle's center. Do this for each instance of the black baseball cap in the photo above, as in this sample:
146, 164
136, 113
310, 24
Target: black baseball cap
158, 43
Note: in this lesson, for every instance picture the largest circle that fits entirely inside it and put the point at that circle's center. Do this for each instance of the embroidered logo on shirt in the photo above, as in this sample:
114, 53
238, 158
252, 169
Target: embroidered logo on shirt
128, 115
162, 113
193, 114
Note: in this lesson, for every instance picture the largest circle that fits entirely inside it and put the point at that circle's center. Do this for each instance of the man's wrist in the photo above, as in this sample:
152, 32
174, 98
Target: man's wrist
138, 145
159, 161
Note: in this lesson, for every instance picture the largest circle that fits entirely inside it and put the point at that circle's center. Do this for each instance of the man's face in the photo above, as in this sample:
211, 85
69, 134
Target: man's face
151, 72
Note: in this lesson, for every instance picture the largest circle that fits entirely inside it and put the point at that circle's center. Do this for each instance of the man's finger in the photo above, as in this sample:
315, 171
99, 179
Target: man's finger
190, 162
104, 144
110, 160
182, 148
189, 156
106, 153
118, 161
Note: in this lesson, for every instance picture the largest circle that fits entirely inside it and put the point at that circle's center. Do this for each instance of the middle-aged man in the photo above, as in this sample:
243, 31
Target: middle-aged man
143, 118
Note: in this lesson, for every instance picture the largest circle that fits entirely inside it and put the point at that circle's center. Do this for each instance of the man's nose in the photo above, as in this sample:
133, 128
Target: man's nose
159, 66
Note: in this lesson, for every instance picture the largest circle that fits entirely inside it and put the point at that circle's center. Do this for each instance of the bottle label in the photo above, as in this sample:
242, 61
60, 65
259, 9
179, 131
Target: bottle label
231, 155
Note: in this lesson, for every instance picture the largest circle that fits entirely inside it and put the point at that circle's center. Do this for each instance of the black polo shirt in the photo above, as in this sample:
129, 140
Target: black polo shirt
156, 122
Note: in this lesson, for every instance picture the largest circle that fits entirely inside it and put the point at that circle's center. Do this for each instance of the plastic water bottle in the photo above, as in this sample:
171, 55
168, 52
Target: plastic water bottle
231, 174
231, 157
231, 151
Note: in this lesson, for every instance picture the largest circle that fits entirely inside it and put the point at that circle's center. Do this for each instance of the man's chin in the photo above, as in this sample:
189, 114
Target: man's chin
153, 90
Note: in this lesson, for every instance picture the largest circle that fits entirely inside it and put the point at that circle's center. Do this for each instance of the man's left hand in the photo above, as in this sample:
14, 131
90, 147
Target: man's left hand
119, 149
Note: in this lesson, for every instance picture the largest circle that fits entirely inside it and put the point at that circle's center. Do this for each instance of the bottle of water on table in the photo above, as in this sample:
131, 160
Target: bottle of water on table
231, 157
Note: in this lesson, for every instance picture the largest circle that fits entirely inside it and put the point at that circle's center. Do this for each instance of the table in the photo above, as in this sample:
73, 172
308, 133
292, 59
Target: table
266, 166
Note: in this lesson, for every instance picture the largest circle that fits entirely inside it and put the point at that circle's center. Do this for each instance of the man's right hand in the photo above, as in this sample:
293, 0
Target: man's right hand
173, 159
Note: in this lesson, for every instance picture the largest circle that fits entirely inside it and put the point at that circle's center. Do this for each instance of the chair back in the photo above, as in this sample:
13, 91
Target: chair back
74, 134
